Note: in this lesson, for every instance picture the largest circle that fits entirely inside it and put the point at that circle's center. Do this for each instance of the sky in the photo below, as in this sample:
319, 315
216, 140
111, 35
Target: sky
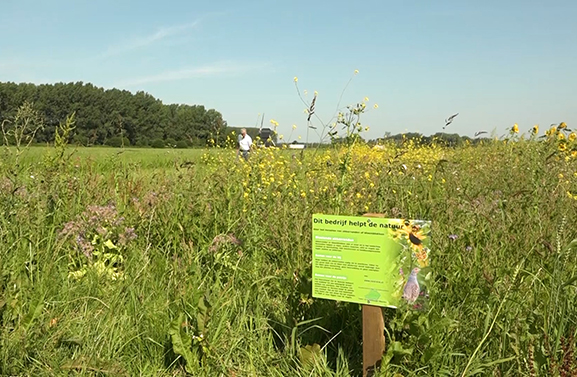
496, 63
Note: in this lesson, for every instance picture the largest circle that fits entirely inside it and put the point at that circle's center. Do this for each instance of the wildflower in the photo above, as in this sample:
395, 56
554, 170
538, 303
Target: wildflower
281, 137
367, 128
562, 125
296, 79
515, 128
376, 106
562, 147
316, 93
294, 126
356, 71
572, 136
366, 99
469, 248
127, 236
274, 122
561, 136
453, 237
536, 129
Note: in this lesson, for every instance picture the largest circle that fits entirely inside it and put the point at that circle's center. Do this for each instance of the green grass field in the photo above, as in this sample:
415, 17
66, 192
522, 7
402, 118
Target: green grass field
174, 262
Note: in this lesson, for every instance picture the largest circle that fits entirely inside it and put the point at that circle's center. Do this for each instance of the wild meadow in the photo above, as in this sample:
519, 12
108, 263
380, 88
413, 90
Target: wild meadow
127, 262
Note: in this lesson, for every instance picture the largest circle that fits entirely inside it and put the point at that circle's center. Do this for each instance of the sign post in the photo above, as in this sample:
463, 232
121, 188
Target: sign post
373, 261
373, 332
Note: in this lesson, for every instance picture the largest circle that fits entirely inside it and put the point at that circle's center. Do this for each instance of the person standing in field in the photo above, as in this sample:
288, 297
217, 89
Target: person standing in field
244, 144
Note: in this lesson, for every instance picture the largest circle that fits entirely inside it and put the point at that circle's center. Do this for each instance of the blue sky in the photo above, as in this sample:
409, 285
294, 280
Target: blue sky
496, 63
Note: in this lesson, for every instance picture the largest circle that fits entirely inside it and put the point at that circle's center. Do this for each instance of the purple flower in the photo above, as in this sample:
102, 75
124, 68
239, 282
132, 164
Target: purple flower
453, 237
127, 236
469, 248
85, 246
70, 227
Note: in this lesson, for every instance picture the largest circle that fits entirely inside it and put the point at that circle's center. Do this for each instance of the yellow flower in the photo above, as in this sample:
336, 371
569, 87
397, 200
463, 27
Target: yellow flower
376, 106
562, 125
296, 79
299, 137
515, 128
356, 71
281, 137
560, 176
536, 129
562, 147
561, 136
294, 126
367, 128
366, 99
572, 136
316, 93
246, 194
574, 154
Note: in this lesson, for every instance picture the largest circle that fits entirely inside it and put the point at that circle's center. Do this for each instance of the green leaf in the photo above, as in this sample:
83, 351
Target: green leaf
181, 342
310, 353
202, 314
34, 313
397, 349
110, 245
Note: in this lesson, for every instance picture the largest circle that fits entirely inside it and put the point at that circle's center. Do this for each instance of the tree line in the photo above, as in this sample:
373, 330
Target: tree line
112, 117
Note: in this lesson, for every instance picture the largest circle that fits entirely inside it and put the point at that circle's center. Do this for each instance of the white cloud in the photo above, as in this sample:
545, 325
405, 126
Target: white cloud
216, 69
147, 40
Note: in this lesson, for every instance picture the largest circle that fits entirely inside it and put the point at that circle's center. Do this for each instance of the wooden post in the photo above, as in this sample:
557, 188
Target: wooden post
373, 332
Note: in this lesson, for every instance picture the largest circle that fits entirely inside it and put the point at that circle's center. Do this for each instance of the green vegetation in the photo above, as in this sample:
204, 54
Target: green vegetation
105, 116
163, 262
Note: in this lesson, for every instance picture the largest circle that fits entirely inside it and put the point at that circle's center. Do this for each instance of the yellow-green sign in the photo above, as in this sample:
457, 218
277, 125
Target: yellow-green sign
374, 261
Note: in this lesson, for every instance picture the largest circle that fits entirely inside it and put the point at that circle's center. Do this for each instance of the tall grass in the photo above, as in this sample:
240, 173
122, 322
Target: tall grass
218, 280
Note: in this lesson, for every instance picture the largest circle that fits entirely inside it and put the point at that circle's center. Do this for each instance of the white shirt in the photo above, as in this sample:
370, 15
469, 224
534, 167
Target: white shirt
245, 143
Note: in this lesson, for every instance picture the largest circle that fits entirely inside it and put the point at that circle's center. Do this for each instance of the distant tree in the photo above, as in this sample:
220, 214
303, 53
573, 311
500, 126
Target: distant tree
181, 144
157, 143
118, 142
170, 142
105, 114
